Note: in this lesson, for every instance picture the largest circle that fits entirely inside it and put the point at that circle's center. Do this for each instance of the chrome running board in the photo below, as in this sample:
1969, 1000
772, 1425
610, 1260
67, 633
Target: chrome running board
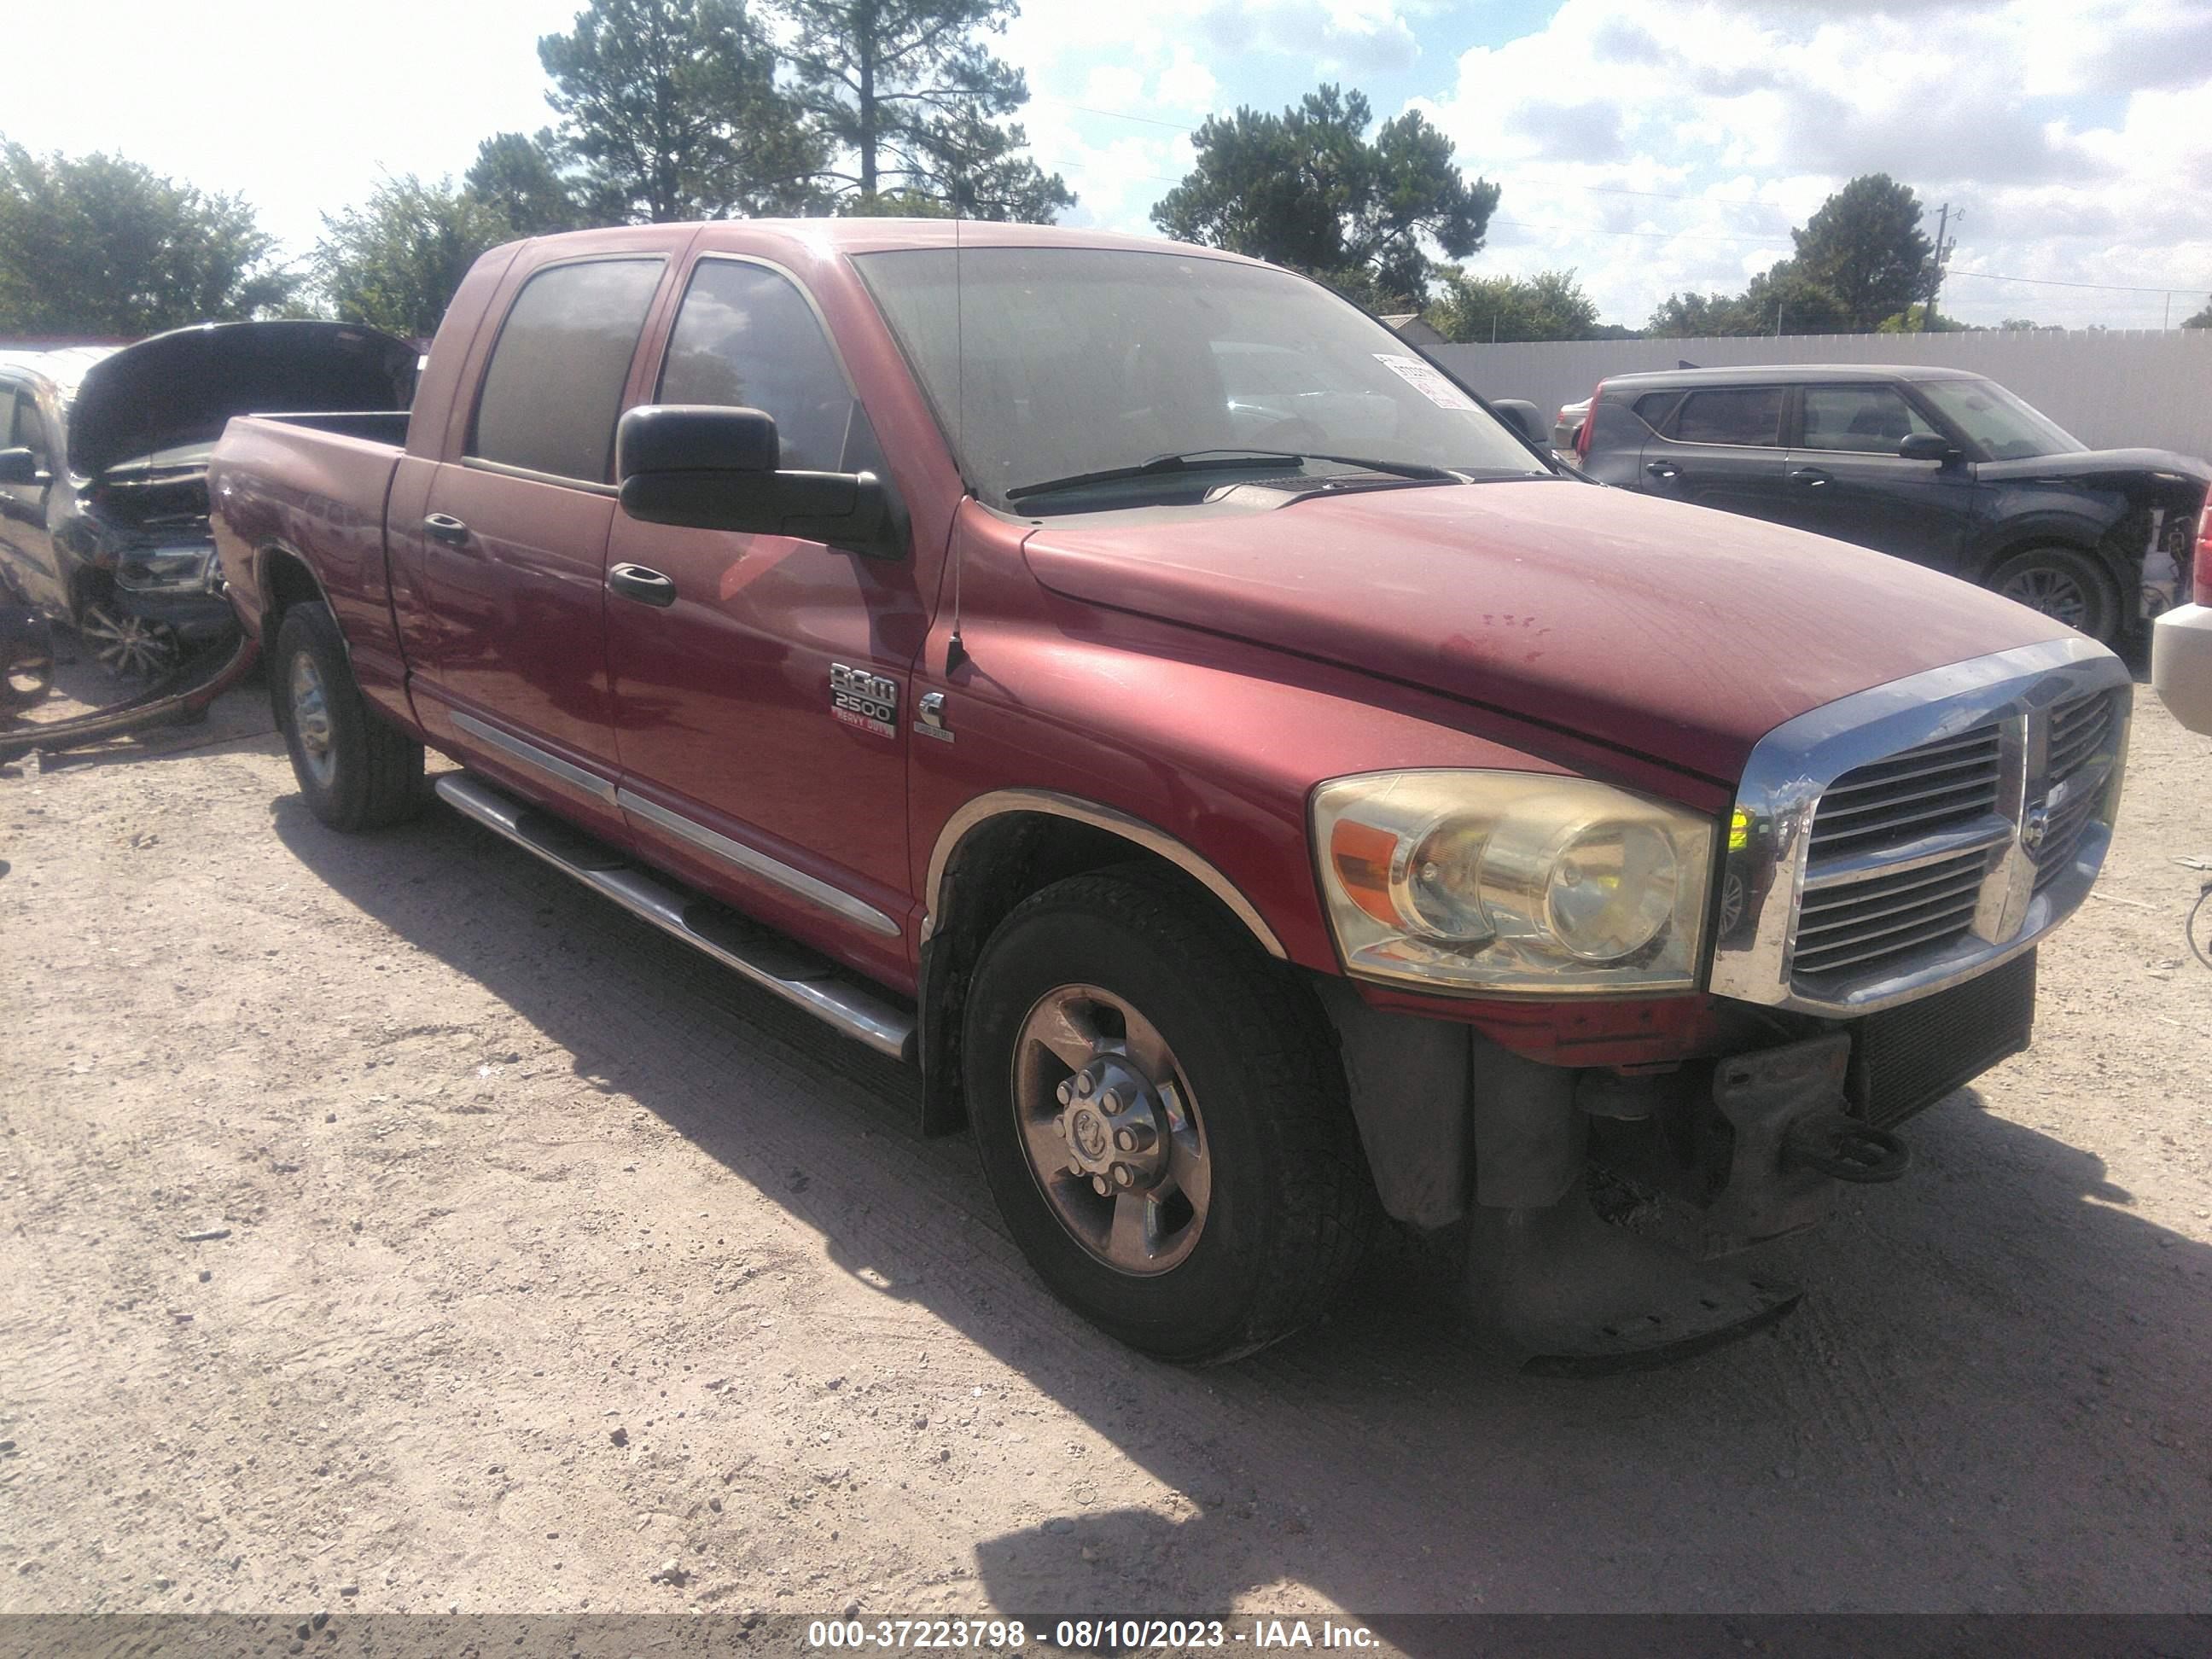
790, 970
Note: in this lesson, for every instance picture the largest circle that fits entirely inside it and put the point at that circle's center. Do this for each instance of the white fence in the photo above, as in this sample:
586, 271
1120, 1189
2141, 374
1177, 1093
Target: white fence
2113, 391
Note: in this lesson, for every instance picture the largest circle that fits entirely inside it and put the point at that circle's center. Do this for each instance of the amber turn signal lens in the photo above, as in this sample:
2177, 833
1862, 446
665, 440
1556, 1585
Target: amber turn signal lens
1361, 856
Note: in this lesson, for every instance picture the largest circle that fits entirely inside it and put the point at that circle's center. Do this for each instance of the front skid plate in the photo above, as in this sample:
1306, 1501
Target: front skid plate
1565, 1294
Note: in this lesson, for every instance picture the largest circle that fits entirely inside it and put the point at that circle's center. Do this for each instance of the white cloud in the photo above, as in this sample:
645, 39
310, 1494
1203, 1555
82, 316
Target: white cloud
2011, 110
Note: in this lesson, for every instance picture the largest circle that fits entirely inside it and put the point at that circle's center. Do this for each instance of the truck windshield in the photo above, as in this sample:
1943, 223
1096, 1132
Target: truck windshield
2006, 427
1051, 364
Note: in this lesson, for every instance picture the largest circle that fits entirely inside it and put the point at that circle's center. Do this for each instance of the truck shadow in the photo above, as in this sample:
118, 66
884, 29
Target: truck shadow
1992, 1398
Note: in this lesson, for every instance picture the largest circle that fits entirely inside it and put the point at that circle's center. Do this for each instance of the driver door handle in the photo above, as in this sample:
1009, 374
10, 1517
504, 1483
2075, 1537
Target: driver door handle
635, 582
1812, 477
1662, 469
445, 528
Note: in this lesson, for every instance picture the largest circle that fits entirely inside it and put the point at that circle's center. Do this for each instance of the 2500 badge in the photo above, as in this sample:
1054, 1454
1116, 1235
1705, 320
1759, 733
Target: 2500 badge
868, 701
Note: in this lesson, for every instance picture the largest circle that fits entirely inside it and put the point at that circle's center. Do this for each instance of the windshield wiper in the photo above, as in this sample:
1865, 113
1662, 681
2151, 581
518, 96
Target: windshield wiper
1192, 460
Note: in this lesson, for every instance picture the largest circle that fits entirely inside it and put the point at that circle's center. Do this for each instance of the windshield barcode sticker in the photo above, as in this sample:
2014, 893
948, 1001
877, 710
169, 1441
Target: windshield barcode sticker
1424, 379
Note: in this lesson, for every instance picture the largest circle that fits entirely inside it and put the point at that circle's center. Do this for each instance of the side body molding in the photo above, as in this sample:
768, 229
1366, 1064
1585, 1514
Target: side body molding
1001, 802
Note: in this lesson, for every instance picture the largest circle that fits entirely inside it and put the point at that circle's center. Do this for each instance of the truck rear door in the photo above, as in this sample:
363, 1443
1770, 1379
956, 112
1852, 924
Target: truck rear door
762, 690
514, 532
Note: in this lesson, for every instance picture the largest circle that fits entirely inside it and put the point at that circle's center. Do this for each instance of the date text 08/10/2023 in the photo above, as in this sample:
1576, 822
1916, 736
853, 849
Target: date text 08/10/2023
1084, 1635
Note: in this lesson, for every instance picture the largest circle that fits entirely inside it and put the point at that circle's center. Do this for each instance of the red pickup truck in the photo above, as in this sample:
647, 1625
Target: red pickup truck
1263, 793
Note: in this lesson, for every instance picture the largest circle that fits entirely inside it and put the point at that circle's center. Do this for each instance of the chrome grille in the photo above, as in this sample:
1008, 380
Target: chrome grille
2079, 748
2077, 729
1919, 792
1864, 924
1916, 834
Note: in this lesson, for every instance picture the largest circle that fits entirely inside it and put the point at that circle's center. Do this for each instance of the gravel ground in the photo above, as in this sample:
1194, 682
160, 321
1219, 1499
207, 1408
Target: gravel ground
392, 1225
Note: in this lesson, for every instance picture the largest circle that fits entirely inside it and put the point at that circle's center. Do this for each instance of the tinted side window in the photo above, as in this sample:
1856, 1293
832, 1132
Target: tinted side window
30, 431
1741, 415
746, 338
1654, 407
1870, 418
555, 383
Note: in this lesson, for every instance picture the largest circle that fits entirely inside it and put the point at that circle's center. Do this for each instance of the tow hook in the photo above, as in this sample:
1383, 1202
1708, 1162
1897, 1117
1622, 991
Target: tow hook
1792, 1138
1845, 1148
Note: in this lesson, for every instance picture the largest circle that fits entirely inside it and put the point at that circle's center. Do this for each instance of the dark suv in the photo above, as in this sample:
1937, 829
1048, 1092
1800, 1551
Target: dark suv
1936, 465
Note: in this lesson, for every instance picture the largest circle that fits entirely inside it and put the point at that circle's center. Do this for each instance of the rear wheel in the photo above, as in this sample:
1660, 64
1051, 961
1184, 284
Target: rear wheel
1164, 1129
2064, 585
356, 770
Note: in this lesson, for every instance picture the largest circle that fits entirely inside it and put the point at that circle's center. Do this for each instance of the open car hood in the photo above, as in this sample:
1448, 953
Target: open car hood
1667, 630
170, 395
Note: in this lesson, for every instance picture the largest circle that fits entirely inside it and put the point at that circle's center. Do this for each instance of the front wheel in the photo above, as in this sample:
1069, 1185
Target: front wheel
2065, 585
356, 770
129, 647
1164, 1129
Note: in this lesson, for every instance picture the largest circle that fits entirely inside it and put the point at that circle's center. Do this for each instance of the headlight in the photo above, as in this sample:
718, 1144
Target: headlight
1512, 882
169, 569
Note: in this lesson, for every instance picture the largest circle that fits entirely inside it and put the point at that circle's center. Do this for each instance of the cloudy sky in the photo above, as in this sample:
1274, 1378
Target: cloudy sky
1650, 144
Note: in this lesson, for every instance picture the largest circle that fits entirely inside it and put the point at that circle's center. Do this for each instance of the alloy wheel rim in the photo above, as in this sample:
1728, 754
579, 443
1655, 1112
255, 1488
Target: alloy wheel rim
126, 646
311, 719
2053, 593
1110, 1130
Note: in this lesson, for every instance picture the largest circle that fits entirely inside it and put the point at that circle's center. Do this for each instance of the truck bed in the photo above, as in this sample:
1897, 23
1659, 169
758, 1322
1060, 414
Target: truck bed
312, 489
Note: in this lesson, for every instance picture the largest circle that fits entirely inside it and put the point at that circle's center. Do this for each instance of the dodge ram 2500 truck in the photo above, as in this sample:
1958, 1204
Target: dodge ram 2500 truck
1262, 793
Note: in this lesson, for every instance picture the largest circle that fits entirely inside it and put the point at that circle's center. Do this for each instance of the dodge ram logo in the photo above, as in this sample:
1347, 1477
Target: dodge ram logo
2035, 826
868, 701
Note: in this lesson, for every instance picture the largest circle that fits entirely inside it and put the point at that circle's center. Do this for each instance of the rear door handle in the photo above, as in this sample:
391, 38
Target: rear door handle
635, 582
444, 527
1812, 477
1662, 470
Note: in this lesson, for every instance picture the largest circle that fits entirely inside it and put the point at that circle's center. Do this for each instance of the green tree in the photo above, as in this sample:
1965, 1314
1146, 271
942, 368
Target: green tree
1782, 300
523, 179
2202, 320
911, 102
1918, 319
1549, 305
98, 244
394, 262
1866, 248
672, 109
1308, 189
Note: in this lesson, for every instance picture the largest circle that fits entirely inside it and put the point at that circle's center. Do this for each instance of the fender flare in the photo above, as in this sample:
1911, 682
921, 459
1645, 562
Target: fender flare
999, 803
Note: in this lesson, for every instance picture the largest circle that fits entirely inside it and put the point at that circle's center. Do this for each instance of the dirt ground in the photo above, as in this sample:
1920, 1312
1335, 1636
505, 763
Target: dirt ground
390, 1224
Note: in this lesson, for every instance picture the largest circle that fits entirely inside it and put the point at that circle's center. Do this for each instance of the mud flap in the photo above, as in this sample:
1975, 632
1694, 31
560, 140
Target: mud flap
1566, 1294
178, 698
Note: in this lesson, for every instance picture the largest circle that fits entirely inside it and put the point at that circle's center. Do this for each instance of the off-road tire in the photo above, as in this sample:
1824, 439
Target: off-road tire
1293, 1206
2101, 614
378, 778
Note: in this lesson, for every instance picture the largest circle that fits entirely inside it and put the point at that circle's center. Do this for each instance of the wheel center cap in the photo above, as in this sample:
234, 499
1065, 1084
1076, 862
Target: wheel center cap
1088, 1133
1112, 1124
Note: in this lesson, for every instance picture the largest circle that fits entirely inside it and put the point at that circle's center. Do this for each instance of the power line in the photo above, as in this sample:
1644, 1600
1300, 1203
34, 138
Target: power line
1113, 114
2053, 282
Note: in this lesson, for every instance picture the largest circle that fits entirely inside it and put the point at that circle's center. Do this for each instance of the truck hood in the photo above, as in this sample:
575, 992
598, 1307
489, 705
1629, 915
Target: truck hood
2115, 466
1667, 630
164, 400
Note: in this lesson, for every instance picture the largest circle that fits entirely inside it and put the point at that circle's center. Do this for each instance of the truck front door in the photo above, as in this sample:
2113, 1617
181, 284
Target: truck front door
513, 537
761, 705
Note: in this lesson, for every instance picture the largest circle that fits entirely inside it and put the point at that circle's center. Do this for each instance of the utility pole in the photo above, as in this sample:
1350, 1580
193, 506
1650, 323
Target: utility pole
1943, 252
